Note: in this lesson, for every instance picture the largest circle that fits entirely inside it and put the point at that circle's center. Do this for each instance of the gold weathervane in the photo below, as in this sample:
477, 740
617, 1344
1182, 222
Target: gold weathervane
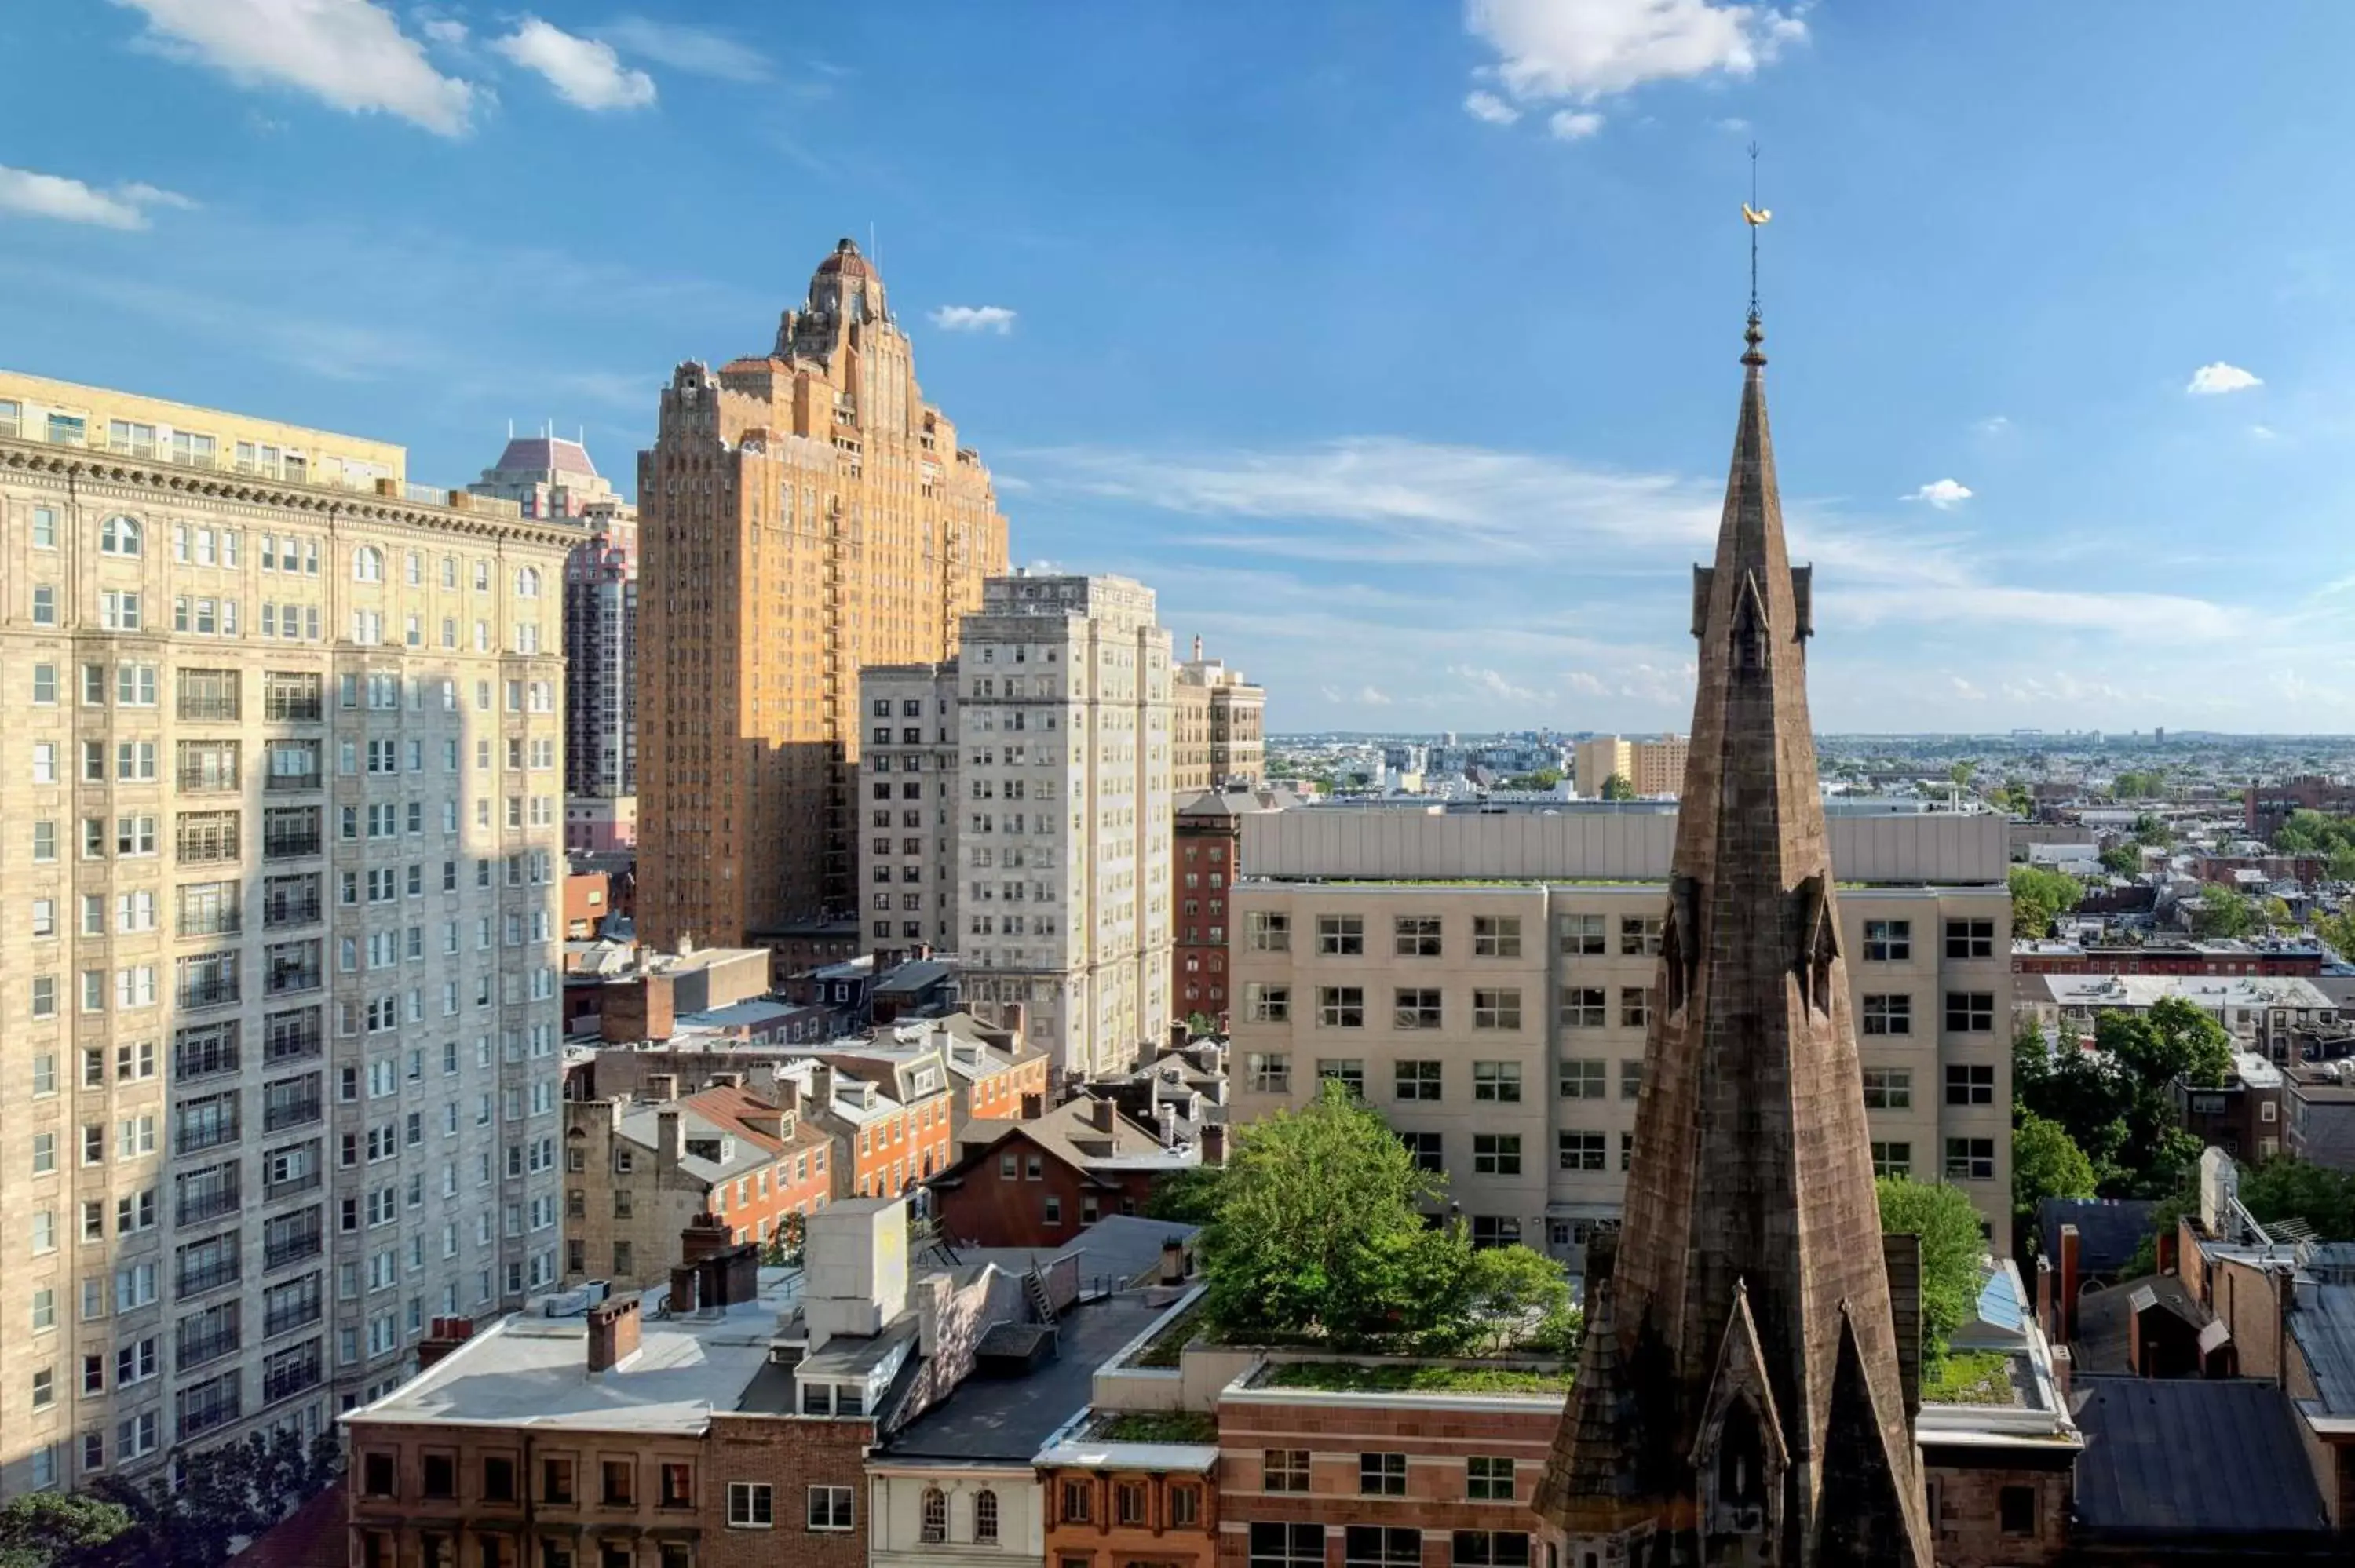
1756, 217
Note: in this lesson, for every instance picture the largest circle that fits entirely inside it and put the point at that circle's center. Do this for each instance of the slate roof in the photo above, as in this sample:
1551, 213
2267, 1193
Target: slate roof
2109, 1230
2322, 1321
2171, 1456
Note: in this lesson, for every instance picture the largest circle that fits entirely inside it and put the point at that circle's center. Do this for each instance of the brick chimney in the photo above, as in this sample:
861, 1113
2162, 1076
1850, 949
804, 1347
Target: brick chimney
1010, 1018
1178, 1034
2069, 1285
1103, 1115
445, 1336
613, 1328
2044, 1298
1214, 1143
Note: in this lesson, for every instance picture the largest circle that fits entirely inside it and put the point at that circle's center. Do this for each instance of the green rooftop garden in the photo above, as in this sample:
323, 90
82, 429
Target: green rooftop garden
1160, 1427
1970, 1377
1352, 1377
1164, 1349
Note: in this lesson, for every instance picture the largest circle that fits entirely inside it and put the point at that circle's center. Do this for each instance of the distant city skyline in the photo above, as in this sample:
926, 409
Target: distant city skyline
1384, 350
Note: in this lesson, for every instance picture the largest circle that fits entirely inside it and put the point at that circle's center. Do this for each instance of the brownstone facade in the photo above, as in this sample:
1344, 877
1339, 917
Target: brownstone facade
804, 512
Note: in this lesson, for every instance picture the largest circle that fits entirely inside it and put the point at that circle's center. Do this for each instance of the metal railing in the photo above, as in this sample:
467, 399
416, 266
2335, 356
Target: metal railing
209, 1203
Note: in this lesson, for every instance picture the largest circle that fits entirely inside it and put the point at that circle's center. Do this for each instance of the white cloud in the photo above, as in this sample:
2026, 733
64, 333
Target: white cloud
1945, 494
975, 318
1994, 425
1964, 691
2264, 433
1586, 684
1486, 106
1373, 698
585, 72
1494, 682
2212, 380
1732, 125
1573, 125
1586, 49
696, 50
447, 31
32, 195
350, 53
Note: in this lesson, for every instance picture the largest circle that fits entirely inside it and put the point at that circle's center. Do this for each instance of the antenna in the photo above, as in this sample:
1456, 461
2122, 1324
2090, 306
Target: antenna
1753, 233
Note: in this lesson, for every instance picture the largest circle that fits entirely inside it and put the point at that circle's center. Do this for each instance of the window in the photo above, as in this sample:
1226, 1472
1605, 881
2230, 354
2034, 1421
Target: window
1970, 1012
1887, 1088
1892, 1160
367, 564
1288, 1545
1492, 1548
1264, 1003
1495, 936
1582, 1077
1634, 1006
1583, 1007
1414, 1010
1341, 936
1416, 1080
1497, 1009
1495, 1230
1970, 1159
1970, 938
934, 1512
1581, 1150
498, 1479
117, 536
1427, 1150
678, 1487
1341, 1006
1268, 933
1488, 1479
2016, 1510
1185, 1506
1381, 1474
984, 1517
1128, 1503
1631, 1077
1268, 1071
1581, 935
1496, 1154
1887, 941
619, 1478
1498, 1081
1970, 1085
1639, 935
1891, 1014
1415, 936
1078, 1498
829, 1508
377, 1475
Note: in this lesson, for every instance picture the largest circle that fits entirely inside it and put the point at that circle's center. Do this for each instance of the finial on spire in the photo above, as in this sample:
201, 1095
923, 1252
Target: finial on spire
1757, 217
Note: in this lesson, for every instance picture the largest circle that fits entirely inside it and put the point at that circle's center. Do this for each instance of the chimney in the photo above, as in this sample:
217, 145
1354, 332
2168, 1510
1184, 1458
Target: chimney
1214, 1143
1103, 1115
2064, 1364
670, 1141
1178, 1034
1173, 1262
613, 1328
1009, 1018
447, 1335
1165, 1116
822, 1087
1198, 648
2069, 1284
2044, 1298
703, 1235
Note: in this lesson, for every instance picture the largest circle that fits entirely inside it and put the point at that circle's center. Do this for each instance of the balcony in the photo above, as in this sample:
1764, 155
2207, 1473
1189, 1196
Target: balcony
210, 993
293, 1186
280, 1115
292, 909
208, 1277
284, 1382
209, 1203
196, 1351
290, 843
287, 977
290, 1315
289, 1042
218, 922
206, 1414
287, 783
293, 707
210, 709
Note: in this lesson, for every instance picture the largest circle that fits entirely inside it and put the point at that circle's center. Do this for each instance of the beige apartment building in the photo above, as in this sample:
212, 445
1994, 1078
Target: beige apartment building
1219, 723
1484, 982
803, 514
1653, 767
279, 1005
908, 810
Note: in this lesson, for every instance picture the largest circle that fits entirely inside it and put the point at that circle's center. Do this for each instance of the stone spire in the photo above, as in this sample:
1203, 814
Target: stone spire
1740, 1399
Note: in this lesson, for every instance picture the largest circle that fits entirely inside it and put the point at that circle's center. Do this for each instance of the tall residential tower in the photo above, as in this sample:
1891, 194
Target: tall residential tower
805, 514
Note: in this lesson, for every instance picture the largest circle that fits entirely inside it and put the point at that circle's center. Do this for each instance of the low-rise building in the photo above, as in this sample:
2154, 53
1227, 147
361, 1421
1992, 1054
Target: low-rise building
1036, 1183
992, 1075
2262, 1014
2303, 959
2242, 1116
1206, 859
891, 1118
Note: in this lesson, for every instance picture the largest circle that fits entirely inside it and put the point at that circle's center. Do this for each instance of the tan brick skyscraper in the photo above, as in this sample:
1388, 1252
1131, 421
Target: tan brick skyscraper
802, 513
1740, 1399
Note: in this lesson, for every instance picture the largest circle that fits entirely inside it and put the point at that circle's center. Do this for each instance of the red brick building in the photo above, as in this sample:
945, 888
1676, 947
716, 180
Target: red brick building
1040, 1183
2164, 959
890, 1119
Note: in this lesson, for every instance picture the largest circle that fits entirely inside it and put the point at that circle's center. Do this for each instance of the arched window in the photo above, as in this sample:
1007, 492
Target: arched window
936, 1514
985, 1517
527, 583
367, 564
118, 537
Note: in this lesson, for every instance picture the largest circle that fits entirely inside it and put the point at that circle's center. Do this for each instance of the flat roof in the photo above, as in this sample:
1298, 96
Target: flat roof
530, 1370
990, 1419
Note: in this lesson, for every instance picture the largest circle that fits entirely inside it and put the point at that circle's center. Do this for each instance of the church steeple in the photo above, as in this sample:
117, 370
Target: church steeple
1739, 1400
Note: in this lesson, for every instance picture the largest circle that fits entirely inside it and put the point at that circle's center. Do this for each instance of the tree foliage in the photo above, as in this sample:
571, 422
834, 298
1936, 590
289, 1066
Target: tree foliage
2140, 786
1187, 1197
57, 1530
1317, 1231
1618, 786
2152, 832
1951, 1249
2338, 931
2045, 1163
2225, 913
2121, 860
2116, 1102
1543, 779
235, 1490
2038, 896
2315, 834
2289, 1188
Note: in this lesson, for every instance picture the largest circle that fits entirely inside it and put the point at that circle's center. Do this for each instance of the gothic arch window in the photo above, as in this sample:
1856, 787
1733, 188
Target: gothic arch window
985, 1517
527, 583
1741, 1468
118, 537
936, 1514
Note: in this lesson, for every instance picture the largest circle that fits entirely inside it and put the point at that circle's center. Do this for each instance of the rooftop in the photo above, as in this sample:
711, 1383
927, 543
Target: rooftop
2144, 991
1393, 1377
2166, 1457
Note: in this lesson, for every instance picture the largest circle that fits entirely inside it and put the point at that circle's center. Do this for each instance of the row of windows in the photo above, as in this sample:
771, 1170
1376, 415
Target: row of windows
1382, 1546
1499, 935
1583, 1079
1580, 1007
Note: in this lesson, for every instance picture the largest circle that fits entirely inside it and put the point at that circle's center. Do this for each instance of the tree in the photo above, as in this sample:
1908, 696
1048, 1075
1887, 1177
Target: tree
1543, 779
2038, 896
1187, 1197
2223, 912
2119, 860
2045, 1163
2173, 1039
1618, 786
1951, 1249
2015, 797
2290, 1188
2151, 832
54, 1529
2338, 931
2116, 1102
1317, 1232
233, 1490
1961, 772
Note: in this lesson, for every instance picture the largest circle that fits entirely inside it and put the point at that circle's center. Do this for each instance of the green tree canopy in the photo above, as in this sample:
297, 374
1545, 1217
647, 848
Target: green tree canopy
1543, 779
1618, 786
2140, 786
1317, 1231
2152, 832
1187, 1197
56, 1529
2121, 860
2289, 1188
2225, 913
1951, 1249
2037, 897
232, 1490
2116, 1102
2314, 833
2045, 1163
2338, 931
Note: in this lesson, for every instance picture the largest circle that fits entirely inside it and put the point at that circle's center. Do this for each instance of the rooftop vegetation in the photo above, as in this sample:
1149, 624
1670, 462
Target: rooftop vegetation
1970, 1377
1160, 1427
1352, 1377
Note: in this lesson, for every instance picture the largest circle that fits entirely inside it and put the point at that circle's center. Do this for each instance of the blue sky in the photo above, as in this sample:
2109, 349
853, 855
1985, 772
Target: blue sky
1393, 341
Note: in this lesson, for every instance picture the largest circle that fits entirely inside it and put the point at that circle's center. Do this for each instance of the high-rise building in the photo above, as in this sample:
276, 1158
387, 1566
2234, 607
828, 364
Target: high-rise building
279, 1003
1039, 760
1742, 1391
1651, 768
1221, 731
805, 514
549, 477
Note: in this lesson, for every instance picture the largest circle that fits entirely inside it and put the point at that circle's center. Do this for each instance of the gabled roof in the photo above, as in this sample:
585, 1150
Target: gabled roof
1069, 1133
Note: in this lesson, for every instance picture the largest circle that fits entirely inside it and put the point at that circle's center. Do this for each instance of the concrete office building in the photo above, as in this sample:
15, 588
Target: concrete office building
549, 477
1651, 768
805, 514
1483, 980
280, 1014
